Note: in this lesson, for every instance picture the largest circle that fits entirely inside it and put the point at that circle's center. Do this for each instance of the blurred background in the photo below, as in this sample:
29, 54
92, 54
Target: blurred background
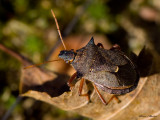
27, 27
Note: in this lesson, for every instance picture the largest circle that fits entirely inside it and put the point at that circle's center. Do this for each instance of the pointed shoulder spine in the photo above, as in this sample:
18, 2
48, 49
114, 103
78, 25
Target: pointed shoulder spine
91, 42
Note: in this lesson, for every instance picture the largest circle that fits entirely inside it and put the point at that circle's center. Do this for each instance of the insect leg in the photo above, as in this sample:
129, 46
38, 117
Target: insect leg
115, 46
99, 94
69, 83
116, 97
80, 90
100, 45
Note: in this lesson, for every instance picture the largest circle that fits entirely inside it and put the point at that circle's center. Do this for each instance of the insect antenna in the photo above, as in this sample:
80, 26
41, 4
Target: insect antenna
59, 32
40, 63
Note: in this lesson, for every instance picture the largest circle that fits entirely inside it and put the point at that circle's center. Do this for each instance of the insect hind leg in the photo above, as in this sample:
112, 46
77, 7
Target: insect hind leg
115, 46
101, 97
99, 94
114, 97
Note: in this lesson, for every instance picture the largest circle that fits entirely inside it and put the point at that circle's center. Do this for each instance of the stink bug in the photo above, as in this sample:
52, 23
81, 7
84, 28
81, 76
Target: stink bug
110, 70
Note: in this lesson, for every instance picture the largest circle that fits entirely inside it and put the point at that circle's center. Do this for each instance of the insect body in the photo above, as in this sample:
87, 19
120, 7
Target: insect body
110, 70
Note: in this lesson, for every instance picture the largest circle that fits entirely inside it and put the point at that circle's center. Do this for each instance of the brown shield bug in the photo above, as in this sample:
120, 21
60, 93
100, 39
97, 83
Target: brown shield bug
110, 70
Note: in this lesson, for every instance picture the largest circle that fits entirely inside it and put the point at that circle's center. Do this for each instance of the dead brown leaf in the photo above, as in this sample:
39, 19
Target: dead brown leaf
142, 103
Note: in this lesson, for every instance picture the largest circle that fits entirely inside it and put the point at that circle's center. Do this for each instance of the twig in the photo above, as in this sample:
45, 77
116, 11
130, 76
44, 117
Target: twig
19, 57
8, 113
10, 52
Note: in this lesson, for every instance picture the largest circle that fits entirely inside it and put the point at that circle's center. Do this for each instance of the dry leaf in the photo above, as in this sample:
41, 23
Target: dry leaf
142, 103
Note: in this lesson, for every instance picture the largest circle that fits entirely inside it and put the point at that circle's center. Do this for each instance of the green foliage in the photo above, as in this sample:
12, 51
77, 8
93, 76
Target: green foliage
7, 98
20, 5
98, 10
33, 44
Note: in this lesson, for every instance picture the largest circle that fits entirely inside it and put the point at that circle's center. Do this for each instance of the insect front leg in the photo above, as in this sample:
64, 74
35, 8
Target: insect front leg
69, 83
80, 90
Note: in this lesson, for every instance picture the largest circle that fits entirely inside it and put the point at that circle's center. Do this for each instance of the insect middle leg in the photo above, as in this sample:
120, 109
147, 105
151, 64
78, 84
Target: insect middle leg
80, 90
